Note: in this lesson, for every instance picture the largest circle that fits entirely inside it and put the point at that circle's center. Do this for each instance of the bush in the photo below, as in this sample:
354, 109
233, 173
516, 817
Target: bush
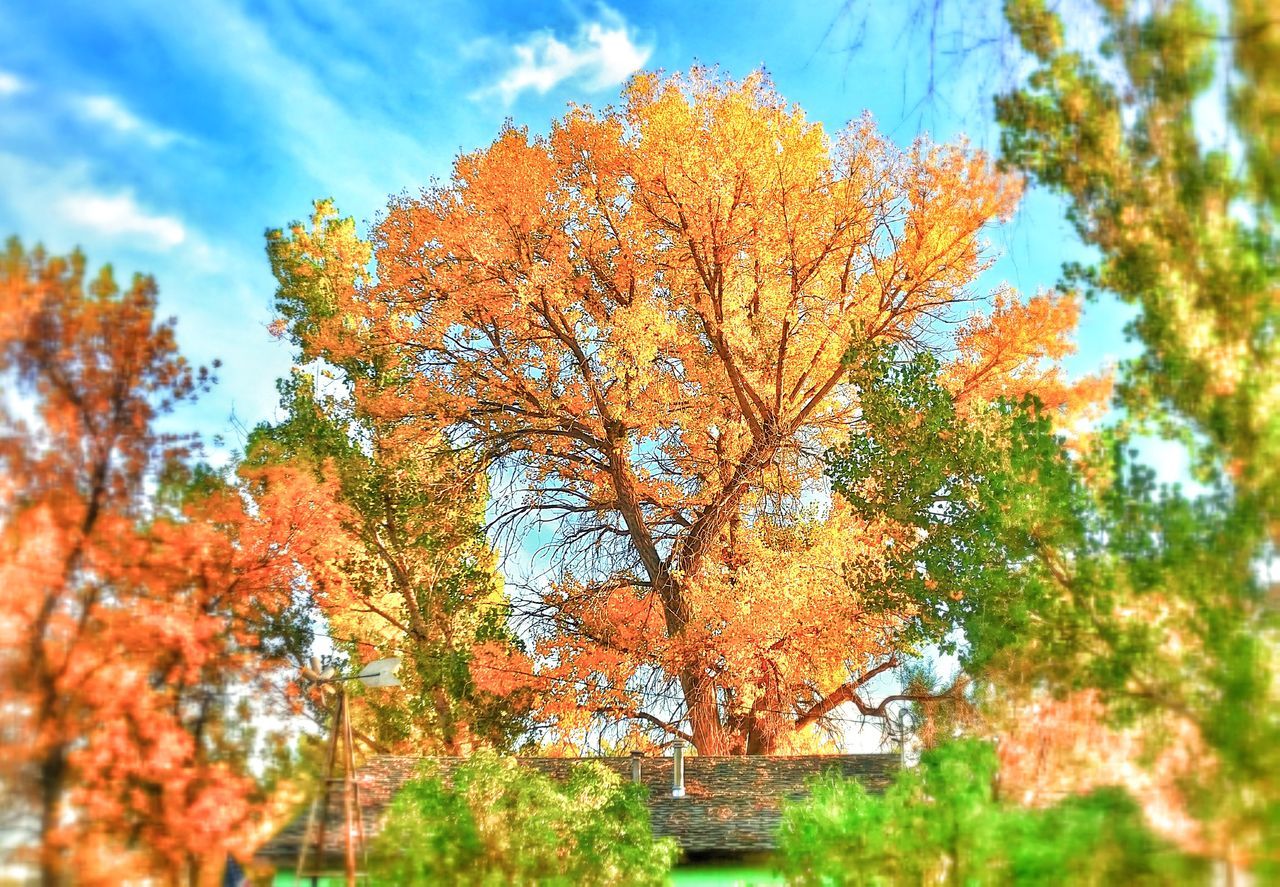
941, 823
496, 822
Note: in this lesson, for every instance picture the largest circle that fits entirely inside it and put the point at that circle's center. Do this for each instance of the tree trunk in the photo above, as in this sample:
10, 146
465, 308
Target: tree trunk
706, 727
448, 727
53, 774
762, 742
756, 733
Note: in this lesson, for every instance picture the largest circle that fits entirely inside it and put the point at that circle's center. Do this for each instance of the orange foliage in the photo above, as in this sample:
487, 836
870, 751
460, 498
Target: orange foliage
1055, 747
126, 616
644, 316
1014, 350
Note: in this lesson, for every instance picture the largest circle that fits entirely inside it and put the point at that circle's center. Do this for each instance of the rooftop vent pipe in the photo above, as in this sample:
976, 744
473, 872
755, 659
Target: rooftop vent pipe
677, 769
636, 757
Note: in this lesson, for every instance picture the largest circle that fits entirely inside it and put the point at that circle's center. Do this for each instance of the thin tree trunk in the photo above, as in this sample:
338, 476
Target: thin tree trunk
53, 773
444, 715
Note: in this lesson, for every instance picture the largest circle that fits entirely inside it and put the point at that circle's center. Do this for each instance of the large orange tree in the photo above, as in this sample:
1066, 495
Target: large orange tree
645, 317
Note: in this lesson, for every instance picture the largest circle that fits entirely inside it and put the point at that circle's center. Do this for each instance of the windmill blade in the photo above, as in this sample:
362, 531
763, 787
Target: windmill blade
381, 673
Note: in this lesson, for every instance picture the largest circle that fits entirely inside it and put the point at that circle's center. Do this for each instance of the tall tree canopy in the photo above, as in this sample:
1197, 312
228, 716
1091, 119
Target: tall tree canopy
644, 316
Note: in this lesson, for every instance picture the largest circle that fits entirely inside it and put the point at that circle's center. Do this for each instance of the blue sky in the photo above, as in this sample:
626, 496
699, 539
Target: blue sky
167, 137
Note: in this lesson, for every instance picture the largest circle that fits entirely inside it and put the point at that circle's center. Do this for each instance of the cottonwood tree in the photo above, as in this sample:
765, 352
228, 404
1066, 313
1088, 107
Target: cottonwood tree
644, 316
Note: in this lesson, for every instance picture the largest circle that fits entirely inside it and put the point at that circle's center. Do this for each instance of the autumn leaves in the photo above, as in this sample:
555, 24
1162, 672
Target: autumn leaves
141, 589
644, 315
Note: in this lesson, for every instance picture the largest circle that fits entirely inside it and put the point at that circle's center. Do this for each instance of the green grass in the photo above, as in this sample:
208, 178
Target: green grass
719, 874
709, 874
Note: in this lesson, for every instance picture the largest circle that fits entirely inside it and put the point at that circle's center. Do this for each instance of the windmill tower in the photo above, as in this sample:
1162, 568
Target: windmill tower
340, 772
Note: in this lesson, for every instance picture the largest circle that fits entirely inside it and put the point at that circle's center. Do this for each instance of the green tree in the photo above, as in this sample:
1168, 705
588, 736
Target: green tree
415, 573
496, 822
1184, 222
942, 823
1075, 563
1183, 218
1076, 569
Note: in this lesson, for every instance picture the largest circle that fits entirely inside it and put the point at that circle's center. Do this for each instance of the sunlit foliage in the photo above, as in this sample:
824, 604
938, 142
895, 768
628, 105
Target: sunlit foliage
643, 317
941, 823
1077, 570
139, 594
409, 569
1165, 147
494, 822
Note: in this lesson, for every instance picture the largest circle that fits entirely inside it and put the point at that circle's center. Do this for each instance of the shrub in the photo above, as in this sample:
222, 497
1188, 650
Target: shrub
496, 822
942, 823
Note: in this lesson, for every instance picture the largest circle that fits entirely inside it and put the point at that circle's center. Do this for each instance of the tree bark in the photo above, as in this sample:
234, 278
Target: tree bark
709, 734
762, 742
53, 774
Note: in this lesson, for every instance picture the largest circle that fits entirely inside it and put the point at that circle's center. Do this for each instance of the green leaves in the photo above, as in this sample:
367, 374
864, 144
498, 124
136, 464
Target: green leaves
1183, 216
1076, 562
986, 494
414, 572
495, 822
942, 823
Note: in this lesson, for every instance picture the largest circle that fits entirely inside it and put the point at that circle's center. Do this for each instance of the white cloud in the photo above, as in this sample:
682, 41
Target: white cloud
11, 84
112, 113
601, 54
120, 215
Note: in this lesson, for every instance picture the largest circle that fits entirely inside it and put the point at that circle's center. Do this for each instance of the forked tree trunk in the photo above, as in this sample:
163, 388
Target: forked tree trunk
756, 733
709, 734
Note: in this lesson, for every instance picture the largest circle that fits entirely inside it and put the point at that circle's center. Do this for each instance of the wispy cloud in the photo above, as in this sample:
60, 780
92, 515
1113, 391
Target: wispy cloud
112, 113
121, 215
339, 142
11, 84
601, 54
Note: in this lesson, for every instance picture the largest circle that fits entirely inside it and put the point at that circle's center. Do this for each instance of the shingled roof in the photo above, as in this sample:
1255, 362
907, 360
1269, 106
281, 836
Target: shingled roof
732, 805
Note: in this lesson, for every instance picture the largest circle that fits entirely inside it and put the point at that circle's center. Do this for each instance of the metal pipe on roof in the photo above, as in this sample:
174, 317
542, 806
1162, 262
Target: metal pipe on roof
677, 769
